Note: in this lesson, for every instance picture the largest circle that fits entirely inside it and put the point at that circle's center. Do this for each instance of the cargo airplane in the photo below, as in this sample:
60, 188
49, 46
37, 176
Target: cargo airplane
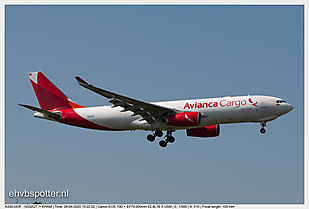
200, 117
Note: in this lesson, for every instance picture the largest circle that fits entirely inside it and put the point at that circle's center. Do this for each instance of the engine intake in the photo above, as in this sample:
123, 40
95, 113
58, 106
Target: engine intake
184, 119
207, 131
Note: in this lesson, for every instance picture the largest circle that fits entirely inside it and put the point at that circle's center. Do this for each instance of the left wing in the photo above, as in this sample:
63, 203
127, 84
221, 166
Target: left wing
147, 111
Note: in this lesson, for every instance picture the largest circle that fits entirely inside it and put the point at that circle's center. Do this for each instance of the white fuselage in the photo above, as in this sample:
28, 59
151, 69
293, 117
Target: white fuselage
221, 110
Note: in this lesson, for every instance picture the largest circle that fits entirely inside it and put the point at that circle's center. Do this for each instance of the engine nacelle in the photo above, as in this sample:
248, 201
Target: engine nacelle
184, 119
207, 131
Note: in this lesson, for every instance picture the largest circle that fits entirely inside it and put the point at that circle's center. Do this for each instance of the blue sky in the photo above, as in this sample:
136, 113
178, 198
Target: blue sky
156, 53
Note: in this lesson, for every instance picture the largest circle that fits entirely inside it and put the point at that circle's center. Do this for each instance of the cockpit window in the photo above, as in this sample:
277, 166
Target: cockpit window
280, 101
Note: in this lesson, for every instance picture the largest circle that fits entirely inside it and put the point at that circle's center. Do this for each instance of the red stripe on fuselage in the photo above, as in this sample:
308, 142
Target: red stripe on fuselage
70, 117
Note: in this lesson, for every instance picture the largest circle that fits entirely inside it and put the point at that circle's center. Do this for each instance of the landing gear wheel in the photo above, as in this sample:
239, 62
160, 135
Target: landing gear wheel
158, 133
163, 143
263, 130
151, 138
170, 139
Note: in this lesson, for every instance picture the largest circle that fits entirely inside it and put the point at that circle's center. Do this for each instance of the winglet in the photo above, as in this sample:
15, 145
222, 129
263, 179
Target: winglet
81, 81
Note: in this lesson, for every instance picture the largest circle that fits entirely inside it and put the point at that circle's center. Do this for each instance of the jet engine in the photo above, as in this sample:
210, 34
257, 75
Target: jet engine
207, 131
184, 119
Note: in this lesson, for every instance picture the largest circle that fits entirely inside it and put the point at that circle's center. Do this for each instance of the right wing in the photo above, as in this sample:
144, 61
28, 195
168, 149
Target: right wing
147, 111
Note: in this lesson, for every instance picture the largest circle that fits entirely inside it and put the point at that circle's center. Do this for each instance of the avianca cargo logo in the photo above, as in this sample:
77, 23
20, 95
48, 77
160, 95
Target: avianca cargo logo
221, 103
254, 104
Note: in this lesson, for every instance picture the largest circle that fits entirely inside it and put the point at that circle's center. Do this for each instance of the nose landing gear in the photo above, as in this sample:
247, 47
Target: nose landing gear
263, 130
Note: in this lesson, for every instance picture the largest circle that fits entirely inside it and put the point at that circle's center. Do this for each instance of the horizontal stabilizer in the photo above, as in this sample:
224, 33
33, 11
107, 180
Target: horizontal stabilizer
44, 112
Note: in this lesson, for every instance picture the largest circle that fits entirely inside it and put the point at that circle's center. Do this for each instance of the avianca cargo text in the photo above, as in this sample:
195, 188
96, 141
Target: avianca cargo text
221, 103
200, 117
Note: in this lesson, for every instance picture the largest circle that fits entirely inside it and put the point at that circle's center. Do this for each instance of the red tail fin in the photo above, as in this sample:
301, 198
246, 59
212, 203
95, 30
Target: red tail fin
48, 95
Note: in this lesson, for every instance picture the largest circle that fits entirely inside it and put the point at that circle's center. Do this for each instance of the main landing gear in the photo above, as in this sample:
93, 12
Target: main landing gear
167, 139
156, 132
263, 130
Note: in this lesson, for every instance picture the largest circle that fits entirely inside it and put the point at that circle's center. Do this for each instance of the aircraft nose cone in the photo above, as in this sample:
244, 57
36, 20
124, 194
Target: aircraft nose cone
288, 108
284, 109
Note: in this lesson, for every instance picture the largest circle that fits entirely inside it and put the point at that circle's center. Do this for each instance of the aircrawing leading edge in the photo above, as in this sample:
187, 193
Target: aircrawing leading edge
200, 117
